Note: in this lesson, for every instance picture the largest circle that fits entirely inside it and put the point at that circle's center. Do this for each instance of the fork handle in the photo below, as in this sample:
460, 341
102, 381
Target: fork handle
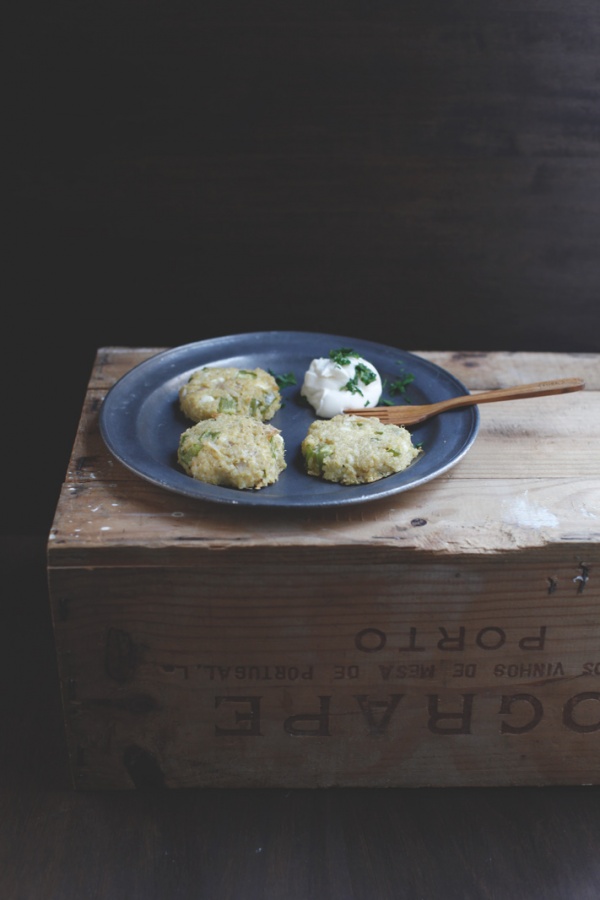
537, 389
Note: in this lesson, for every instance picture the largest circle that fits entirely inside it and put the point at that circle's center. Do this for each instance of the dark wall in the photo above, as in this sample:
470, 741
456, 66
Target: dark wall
424, 173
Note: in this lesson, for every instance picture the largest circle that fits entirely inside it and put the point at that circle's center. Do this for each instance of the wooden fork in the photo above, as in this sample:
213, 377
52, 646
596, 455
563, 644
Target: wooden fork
410, 415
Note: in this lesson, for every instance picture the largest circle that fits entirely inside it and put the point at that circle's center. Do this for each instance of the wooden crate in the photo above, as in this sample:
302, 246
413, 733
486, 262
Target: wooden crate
449, 635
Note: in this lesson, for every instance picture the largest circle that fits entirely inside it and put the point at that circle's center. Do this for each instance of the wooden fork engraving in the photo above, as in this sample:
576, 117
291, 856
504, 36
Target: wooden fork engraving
410, 415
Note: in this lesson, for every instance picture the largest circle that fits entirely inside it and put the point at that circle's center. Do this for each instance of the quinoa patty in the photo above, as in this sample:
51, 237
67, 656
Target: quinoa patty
232, 451
214, 390
353, 450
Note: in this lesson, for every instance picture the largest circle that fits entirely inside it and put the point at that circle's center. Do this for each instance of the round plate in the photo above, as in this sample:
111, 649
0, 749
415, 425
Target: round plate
140, 419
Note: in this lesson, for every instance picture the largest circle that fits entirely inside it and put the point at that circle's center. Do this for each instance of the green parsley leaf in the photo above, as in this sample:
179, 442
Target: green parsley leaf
343, 357
365, 374
285, 380
352, 386
400, 385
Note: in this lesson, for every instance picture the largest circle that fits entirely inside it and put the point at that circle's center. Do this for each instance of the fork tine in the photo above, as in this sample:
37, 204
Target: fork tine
385, 415
365, 413
391, 415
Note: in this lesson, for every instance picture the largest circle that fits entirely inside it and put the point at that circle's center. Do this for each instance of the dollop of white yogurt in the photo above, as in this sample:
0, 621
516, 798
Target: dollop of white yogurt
331, 387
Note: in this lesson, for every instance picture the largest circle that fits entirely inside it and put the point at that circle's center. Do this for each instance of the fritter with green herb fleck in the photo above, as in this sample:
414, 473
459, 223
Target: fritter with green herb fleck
213, 390
233, 451
353, 450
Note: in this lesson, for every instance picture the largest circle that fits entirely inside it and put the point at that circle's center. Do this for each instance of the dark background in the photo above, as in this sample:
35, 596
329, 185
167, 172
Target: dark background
423, 173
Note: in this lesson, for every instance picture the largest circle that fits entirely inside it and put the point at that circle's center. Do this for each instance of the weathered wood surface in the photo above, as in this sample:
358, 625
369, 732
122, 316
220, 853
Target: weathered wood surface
263, 673
342, 844
444, 637
531, 479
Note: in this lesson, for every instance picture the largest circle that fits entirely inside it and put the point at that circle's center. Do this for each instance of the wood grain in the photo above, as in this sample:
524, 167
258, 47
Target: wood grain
443, 637
530, 480
344, 844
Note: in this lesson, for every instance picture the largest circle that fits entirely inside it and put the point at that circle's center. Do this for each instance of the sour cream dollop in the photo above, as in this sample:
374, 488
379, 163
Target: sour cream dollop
331, 387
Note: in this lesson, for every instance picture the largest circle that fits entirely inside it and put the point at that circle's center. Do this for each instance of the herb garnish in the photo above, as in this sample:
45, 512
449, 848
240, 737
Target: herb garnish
286, 380
343, 357
398, 386
352, 386
362, 373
